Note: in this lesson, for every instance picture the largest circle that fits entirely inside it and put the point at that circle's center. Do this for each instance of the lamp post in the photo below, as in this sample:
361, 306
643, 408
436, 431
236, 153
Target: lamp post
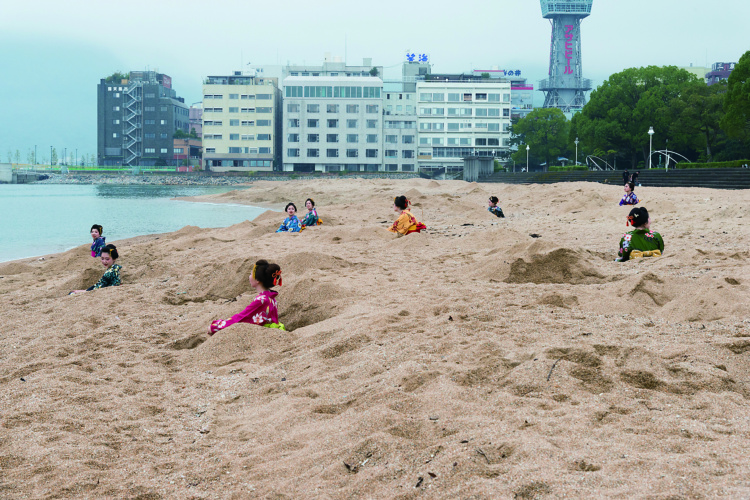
667, 166
650, 142
50, 156
527, 157
576, 143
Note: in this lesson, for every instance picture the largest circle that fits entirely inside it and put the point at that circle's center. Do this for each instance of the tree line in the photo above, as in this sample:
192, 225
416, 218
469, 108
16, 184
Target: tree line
705, 123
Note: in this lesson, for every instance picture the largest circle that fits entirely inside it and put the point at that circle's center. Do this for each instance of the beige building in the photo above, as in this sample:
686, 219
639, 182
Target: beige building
241, 123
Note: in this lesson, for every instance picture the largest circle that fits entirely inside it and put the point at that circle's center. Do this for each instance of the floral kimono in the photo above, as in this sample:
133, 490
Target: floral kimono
290, 225
96, 247
640, 243
497, 211
261, 311
111, 277
311, 219
406, 224
629, 199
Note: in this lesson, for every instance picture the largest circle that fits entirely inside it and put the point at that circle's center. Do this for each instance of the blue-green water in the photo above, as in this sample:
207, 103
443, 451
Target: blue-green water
37, 219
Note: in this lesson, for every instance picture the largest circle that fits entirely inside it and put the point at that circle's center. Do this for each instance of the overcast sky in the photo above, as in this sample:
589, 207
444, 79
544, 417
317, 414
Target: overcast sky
53, 52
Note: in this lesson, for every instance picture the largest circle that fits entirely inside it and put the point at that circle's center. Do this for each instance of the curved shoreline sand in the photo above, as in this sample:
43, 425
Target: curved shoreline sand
471, 361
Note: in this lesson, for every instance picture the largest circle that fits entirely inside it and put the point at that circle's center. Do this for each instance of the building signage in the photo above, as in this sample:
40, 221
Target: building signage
167, 81
412, 57
568, 48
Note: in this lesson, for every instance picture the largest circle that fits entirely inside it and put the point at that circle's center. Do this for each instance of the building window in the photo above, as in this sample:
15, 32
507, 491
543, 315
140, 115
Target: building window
312, 123
248, 137
163, 150
210, 150
163, 135
391, 167
234, 123
248, 110
264, 110
250, 123
352, 153
480, 142
426, 97
332, 138
493, 112
332, 108
493, 142
266, 97
234, 96
292, 152
452, 127
351, 123
333, 124
391, 139
350, 108
234, 109
407, 139
247, 96
465, 141
437, 141
116, 122
493, 97
352, 138
149, 108
149, 96
149, 136
235, 150
313, 138
481, 112
162, 122
263, 137
234, 137
506, 112
313, 153
481, 97
332, 153
506, 97
292, 108
493, 127
372, 124
178, 151
407, 167
292, 138
371, 153
391, 153
372, 138
264, 150
264, 123
149, 150
116, 108
313, 108
149, 122
407, 153
114, 135
372, 108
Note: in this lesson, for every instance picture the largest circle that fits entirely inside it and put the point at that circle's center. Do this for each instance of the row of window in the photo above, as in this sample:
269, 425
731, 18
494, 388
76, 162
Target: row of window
462, 97
153, 150
350, 138
333, 108
238, 110
454, 127
334, 153
239, 137
348, 92
465, 111
239, 96
315, 123
458, 141
237, 123
235, 150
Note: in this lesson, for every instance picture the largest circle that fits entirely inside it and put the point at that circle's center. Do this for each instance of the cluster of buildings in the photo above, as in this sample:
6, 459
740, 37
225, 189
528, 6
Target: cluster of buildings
314, 118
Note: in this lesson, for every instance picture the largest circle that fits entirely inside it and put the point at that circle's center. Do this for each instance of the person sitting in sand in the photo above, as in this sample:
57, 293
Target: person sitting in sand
494, 209
262, 310
642, 241
98, 244
406, 223
311, 219
111, 276
291, 224
629, 198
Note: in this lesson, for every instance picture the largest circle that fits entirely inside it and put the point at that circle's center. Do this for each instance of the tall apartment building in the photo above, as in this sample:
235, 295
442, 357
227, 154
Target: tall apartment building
333, 123
400, 132
460, 117
521, 92
137, 115
241, 123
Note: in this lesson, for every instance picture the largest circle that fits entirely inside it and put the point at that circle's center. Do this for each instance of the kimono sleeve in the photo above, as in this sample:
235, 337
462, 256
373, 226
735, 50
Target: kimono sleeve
240, 317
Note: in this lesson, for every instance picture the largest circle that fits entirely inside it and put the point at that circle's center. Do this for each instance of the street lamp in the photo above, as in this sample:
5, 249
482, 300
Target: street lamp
576, 143
527, 157
667, 167
650, 142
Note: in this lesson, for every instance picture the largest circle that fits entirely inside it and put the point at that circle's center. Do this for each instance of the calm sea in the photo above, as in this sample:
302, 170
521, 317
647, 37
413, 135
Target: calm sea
37, 219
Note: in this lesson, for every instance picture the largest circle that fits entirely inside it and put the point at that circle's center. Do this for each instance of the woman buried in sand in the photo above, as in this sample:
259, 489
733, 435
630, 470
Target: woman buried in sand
291, 224
406, 223
111, 276
98, 244
311, 218
262, 310
629, 198
642, 241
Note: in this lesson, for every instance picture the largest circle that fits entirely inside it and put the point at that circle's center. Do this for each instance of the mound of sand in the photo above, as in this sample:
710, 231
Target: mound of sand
473, 360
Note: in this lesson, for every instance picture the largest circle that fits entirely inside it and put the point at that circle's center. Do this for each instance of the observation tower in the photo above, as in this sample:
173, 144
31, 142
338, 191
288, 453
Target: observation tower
565, 86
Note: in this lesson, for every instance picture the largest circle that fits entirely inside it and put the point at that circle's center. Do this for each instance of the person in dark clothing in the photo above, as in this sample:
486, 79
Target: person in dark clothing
625, 176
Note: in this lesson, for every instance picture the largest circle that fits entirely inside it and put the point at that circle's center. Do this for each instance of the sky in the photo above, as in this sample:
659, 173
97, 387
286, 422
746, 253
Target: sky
53, 53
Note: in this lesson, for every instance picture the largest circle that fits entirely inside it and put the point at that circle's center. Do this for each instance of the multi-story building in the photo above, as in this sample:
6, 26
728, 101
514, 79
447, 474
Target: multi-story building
719, 72
196, 119
137, 116
521, 92
333, 123
400, 132
241, 123
460, 116
335, 66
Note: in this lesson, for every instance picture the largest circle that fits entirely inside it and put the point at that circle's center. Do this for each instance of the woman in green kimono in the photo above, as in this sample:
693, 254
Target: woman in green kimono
641, 241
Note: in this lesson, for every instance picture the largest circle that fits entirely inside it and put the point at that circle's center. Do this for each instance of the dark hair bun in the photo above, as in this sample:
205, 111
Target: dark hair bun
400, 202
112, 251
310, 200
494, 199
632, 185
290, 204
639, 216
266, 273
98, 228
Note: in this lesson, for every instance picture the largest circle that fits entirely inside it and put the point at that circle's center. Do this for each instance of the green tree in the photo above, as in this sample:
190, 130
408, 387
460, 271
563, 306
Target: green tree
10, 156
18, 156
696, 116
53, 157
620, 111
545, 131
736, 121
374, 72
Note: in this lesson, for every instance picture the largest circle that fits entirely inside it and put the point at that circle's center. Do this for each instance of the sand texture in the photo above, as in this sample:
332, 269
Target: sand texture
471, 361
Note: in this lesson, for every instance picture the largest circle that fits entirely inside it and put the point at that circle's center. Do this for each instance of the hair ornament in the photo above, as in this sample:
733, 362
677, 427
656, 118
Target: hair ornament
277, 278
255, 266
631, 221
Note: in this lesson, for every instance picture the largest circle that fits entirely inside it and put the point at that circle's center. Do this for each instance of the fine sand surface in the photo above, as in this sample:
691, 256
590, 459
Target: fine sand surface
470, 361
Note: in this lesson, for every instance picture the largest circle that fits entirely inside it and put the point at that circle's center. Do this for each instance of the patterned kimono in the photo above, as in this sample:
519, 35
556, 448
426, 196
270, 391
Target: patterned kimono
629, 199
261, 311
406, 224
96, 246
640, 243
497, 211
311, 219
111, 277
290, 225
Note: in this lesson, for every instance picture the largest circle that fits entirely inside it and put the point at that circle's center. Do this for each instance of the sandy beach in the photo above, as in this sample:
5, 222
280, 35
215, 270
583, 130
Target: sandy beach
484, 358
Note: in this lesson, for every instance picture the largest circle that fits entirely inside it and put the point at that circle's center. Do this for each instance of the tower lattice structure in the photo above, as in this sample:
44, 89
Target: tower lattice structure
565, 86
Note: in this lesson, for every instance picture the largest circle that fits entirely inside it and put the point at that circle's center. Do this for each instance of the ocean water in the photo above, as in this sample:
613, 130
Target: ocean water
38, 219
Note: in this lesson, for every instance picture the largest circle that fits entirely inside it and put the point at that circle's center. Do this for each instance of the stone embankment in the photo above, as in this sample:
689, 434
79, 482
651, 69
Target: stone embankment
201, 180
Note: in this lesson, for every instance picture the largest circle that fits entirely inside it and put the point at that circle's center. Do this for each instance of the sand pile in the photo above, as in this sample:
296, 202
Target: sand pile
484, 358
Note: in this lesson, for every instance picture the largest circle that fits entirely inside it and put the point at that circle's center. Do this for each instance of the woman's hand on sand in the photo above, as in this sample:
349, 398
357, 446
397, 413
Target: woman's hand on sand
76, 291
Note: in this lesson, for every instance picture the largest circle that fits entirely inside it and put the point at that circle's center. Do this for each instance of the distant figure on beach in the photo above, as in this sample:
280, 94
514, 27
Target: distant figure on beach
629, 198
625, 176
262, 310
641, 241
493, 208
634, 178
291, 224
311, 218
111, 276
406, 223
98, 244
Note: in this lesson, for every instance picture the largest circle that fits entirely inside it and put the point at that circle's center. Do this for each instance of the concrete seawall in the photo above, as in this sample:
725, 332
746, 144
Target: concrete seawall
6, 173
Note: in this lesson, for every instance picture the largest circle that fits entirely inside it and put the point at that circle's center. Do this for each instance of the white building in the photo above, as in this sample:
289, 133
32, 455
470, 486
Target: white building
333, 123
400, 132
458, 118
